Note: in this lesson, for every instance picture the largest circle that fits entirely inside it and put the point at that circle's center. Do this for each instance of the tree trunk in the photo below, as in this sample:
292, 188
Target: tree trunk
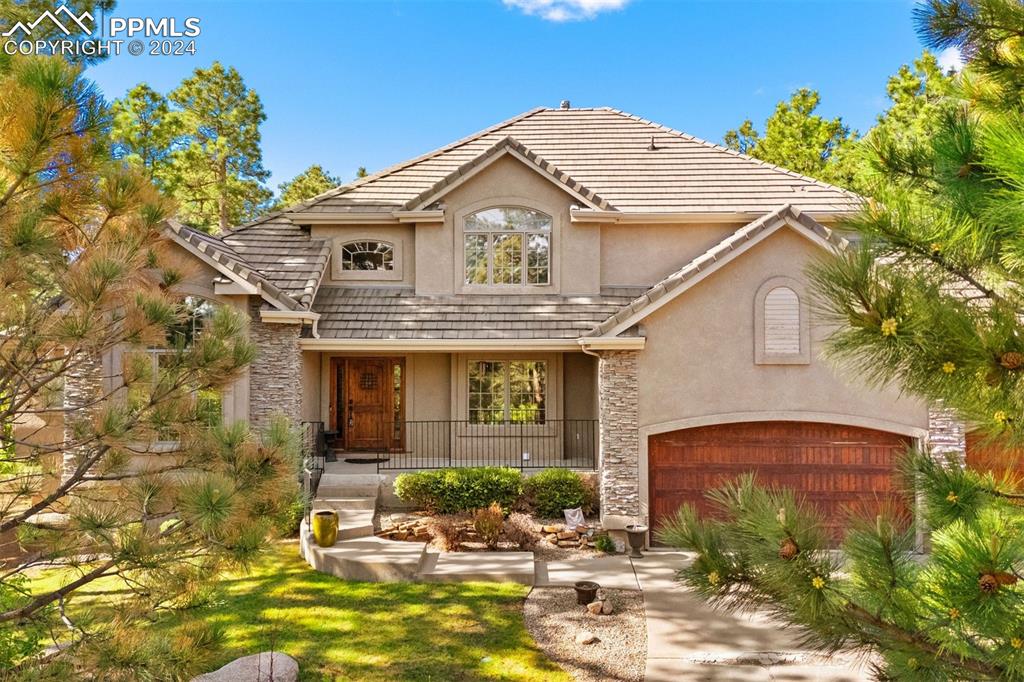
222, 191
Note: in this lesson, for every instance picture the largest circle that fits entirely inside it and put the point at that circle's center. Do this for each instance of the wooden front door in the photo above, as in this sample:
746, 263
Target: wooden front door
829, 465
366, 402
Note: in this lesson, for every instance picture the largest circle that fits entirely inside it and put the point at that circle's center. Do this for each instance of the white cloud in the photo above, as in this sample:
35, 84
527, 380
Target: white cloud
950, 58
566, 10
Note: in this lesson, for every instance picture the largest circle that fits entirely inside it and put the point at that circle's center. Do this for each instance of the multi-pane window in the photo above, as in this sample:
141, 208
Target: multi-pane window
508, 245
507, 391
180, 336
367, 255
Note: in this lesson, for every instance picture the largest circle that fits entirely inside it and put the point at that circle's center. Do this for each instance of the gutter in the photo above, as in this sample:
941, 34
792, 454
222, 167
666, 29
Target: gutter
292, 317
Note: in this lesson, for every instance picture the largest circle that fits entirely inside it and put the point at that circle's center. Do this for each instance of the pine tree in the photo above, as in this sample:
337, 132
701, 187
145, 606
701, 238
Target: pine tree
83, 490
306, 185
145, 130
929, 300
218, 175
797, 138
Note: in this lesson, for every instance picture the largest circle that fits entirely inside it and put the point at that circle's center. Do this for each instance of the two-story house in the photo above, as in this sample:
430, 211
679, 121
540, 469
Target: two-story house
570, 287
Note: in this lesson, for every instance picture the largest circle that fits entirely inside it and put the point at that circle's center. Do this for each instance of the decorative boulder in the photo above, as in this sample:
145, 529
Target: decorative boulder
268, 666
594, 607
586, 637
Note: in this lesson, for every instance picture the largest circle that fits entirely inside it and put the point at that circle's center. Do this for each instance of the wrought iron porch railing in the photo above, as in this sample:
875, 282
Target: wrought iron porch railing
569, 443
314, 453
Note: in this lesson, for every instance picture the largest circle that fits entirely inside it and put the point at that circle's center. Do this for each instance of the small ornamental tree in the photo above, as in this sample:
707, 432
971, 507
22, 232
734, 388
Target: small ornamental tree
109, 469
931, 299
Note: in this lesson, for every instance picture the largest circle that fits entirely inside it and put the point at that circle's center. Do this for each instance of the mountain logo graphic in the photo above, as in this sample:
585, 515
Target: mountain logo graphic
69, 19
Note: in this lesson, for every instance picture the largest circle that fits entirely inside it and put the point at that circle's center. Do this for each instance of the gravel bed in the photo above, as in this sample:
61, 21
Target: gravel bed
554, 619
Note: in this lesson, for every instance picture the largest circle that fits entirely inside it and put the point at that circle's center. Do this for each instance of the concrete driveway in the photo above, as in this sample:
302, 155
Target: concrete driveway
688, 640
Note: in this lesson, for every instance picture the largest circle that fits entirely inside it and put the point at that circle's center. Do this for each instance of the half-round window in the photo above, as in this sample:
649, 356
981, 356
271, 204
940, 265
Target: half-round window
508, 245
367, 255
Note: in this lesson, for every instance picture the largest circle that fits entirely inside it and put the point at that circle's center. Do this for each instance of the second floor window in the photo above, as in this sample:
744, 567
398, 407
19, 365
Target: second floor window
367, 255
508, 246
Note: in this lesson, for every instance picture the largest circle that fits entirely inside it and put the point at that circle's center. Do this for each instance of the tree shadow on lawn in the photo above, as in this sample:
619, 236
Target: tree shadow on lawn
339, 629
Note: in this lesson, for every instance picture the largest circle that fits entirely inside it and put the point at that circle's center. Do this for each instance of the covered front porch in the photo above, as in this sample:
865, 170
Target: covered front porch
406, 410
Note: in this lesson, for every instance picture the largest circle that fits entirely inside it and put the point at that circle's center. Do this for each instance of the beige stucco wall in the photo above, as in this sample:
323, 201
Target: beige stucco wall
580, 371
507, 181
699, 359
642, 255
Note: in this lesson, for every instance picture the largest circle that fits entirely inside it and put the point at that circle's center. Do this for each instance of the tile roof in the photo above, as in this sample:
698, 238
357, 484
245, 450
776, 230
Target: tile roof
398, 313
709, 258
606, 151
280, 259
285, 254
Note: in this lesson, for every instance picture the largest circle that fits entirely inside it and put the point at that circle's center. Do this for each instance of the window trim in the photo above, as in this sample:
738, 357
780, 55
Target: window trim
337, 273
461, 286
762, 356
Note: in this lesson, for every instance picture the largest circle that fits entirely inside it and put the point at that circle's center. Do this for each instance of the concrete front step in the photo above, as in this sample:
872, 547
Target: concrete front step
345, 503
370, 559
348, 490
497, 567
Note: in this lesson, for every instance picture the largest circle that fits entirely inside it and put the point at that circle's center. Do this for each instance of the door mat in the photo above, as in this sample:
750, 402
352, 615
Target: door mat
367, 460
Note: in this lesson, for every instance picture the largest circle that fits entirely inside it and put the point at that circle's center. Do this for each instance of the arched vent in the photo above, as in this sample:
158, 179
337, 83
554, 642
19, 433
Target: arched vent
782, 321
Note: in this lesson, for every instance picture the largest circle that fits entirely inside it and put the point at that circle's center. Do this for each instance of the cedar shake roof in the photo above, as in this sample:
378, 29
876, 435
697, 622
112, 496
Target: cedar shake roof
606, 152
392, 313
717, 254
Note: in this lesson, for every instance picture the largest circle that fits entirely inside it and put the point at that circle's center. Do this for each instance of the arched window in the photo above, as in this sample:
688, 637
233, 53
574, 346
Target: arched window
367, 255
508, 245
781, 326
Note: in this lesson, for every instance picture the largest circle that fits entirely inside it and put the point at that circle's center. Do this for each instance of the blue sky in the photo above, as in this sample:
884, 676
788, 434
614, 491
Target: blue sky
349, 84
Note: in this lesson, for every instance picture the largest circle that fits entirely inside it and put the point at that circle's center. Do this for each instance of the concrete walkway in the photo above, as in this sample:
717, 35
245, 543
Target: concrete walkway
688, 640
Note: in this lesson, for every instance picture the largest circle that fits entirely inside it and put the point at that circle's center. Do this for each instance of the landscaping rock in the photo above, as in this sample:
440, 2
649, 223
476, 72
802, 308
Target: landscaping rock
607, 608
586, 637
552, 538
568, 543
567, 535
551, 529
594, 608
256, 668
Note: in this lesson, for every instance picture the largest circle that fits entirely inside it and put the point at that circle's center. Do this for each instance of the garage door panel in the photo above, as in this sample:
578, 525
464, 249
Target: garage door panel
831, 466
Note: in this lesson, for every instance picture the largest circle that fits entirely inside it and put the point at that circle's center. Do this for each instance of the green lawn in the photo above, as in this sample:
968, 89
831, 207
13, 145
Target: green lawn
376, 631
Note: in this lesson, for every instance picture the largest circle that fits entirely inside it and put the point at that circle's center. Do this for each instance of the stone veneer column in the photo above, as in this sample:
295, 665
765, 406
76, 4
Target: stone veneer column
275, 376
83, 388
618, 411
946, 433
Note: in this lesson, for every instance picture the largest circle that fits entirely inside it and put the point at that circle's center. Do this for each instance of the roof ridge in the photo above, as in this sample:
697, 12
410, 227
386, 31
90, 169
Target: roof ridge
539, 162
747, 157
341, 189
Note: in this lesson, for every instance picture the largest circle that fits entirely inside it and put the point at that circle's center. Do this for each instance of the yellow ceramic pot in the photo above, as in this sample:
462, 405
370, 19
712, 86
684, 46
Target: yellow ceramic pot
325, 527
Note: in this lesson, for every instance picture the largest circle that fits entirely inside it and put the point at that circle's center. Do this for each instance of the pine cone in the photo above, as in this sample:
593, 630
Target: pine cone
988, 583
788, 550
1012, 360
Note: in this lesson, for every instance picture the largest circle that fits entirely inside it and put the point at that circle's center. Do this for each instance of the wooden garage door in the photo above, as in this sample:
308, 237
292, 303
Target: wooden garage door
832, 466
994, 454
